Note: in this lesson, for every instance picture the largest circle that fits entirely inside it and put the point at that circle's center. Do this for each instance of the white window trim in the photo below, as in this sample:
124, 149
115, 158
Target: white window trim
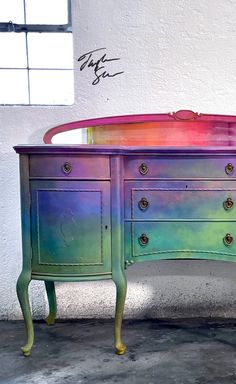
42, 28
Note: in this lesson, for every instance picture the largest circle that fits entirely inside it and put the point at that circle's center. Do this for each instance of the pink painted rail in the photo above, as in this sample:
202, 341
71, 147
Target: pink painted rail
184, 127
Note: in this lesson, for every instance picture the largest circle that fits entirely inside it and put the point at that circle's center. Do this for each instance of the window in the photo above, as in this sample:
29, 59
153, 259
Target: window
36, 61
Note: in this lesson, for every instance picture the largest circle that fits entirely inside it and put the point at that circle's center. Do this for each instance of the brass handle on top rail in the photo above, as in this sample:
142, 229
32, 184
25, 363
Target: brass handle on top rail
143, 169
67, 168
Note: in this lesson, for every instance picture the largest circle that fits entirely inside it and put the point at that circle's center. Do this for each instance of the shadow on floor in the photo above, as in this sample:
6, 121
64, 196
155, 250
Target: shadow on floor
163, 352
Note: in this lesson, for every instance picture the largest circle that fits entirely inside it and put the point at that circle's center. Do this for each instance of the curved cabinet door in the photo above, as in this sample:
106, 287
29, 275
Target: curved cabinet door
71, 232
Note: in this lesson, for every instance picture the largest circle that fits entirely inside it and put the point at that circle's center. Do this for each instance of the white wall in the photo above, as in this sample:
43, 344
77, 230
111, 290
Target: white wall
175, 54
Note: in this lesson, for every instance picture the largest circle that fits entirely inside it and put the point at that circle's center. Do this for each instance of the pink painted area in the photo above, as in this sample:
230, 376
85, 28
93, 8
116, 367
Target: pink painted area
166, 133
182, 128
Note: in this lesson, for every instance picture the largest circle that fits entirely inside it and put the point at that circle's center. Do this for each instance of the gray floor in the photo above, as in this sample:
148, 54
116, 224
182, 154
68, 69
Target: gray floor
163, 352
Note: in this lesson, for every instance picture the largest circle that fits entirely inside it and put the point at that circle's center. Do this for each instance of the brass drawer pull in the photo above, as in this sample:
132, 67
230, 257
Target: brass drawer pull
228, 204
143, 204
143, 239
143, 169
67, 168
228, 240
229, 169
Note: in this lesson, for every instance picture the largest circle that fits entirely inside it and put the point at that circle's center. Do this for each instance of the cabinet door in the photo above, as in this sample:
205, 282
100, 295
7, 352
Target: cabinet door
71, 232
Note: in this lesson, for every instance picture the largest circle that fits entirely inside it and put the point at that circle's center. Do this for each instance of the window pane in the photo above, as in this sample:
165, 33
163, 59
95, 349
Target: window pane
14, 86
51, 87
69, 137
50, 50
12, 10
46, 12
14, 47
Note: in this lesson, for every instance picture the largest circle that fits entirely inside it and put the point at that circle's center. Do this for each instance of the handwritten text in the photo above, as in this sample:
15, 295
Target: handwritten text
98, 65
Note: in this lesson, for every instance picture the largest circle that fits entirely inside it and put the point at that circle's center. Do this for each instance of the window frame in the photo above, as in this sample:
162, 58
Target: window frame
14, 27
40, 28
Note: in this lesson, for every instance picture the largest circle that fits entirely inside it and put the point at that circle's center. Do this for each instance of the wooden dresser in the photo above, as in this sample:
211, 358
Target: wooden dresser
89, 211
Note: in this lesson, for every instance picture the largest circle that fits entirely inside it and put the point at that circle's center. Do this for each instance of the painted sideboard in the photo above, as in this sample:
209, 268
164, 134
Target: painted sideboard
90, 211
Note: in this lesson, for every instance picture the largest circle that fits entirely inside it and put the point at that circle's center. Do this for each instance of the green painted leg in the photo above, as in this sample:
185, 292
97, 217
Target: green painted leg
121, 287
50, 288
23, 297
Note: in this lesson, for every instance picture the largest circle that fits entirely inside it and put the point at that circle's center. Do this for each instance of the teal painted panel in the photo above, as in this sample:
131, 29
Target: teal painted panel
182, 240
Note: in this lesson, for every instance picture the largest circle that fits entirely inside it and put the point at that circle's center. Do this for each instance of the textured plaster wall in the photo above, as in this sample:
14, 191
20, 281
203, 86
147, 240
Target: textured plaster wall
175, 54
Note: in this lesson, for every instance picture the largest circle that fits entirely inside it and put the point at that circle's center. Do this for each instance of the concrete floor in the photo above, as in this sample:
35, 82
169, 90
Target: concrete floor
163, 352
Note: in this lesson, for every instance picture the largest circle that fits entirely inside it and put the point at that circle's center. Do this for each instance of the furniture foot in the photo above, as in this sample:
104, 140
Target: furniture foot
23, 297
52, 302
26, 350
120, 349
121, 288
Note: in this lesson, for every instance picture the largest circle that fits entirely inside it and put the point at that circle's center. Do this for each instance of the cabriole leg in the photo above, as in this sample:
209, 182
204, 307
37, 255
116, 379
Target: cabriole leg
23, 297
52, 302
121, 288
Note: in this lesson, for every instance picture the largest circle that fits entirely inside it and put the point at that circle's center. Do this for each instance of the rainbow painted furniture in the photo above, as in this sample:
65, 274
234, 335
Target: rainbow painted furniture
147, 187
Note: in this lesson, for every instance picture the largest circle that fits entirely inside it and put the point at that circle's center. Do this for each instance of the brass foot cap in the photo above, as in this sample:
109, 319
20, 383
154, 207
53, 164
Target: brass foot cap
26, 352
50, 320
121, 349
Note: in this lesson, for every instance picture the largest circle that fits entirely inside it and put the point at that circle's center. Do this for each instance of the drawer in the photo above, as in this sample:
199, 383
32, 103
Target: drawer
69, 166
180, 200
172, 166
183, 239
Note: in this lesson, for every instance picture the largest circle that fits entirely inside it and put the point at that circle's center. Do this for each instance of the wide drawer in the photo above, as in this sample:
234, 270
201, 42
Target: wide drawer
184, 166
69, 166
183, 239
180, 200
